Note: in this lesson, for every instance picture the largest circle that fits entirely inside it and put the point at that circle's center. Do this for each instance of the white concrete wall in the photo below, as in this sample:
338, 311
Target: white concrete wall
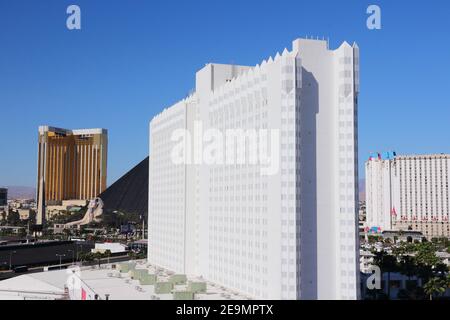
379, 194
424, 190
167, 192
113, 247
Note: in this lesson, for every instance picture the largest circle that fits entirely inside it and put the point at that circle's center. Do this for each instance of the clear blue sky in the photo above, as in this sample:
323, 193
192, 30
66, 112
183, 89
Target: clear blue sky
133, 58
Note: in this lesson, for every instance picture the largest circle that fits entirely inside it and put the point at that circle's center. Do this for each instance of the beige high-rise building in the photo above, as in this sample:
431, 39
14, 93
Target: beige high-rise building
409, 192
71, 164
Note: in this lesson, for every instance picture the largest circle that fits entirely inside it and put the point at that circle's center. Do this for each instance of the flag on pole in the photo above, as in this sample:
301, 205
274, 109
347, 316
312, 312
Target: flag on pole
393, 212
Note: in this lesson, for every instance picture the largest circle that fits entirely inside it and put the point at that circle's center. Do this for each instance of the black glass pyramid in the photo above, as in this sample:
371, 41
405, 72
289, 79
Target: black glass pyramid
129, 194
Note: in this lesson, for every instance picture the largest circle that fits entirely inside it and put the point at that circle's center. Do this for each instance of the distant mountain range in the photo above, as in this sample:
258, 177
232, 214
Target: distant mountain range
20, 192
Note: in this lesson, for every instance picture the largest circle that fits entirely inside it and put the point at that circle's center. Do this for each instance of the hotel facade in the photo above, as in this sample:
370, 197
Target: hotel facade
289, 233
409, 192
72, 164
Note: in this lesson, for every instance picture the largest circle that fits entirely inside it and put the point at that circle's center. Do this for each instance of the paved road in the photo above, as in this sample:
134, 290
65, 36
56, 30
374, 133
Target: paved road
41, 253
10, 274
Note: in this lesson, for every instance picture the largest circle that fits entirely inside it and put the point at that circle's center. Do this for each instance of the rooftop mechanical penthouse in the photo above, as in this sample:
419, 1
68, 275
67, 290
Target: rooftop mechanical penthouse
288, 235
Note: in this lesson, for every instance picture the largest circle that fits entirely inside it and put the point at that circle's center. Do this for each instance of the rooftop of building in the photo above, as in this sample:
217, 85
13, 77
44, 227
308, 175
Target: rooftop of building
43, 129
34, 286
425, 156
106, 280
377, 156
242, 72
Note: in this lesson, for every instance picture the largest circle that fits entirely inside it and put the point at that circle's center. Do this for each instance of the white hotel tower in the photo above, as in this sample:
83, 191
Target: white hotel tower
409, 192
289, 234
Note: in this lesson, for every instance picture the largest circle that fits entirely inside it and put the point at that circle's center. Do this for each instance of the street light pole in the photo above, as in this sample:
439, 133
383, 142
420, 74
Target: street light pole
143, 227
60, 258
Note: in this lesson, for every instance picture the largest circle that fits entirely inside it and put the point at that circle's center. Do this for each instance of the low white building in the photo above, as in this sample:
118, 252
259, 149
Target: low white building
35, 286
444, 256
114, 247
141, 282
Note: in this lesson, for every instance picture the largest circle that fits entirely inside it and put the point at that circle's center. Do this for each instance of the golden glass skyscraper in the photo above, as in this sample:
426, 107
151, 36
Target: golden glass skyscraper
71, 165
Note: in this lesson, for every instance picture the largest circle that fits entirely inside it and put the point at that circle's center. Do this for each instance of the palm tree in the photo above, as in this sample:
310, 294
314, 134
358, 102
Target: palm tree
67, 233
98, 256
87, 257
107, 254
386, 263
426, 260
426, 254
132, 255
435, 286
408, 266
